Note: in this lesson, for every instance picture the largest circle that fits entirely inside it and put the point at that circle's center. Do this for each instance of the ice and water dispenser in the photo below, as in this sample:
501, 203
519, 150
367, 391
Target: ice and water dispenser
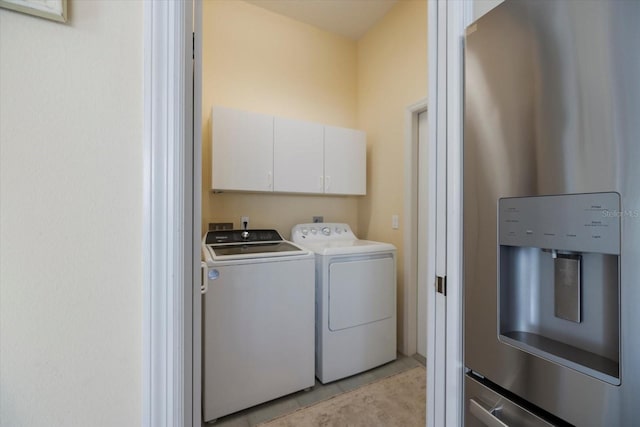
559, 279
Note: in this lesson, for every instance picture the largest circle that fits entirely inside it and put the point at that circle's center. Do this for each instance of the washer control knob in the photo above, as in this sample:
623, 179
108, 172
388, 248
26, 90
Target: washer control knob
313, 230
326, 231
338, 230
305, 231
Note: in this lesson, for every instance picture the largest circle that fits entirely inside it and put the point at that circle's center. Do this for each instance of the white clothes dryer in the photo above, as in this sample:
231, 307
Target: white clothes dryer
355, 299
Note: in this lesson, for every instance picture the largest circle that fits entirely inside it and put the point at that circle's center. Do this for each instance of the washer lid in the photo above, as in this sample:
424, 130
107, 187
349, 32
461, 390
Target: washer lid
253, 250
225, 245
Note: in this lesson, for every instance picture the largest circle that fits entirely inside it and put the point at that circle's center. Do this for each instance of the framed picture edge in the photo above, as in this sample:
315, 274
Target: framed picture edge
37, 12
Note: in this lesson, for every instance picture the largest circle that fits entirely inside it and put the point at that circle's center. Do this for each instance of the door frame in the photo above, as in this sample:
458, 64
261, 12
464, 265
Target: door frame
447, 23
171, 206
412, 239
171, 213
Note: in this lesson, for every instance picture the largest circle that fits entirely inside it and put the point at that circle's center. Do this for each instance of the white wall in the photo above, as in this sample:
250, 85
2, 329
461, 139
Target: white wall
71, 217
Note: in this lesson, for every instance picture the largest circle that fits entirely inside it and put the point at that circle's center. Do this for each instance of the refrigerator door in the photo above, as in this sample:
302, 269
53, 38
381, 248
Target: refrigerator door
552, 101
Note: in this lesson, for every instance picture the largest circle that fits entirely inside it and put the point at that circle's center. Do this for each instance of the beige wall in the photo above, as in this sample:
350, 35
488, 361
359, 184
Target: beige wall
71, 217
259, 61
392, 74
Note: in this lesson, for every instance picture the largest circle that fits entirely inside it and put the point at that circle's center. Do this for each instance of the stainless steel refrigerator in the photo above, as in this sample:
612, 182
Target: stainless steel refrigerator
552, 214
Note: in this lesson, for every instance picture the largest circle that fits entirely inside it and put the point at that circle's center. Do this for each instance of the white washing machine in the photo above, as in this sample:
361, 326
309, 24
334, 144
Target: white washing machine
258, 320
355, 299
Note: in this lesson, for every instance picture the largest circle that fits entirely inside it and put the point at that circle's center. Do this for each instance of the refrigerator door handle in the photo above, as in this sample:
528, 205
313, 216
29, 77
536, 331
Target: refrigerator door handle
484, 415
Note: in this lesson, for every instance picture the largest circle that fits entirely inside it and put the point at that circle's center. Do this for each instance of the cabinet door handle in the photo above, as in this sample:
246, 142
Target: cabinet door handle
269, 180
320, 182
485, 415
327, 183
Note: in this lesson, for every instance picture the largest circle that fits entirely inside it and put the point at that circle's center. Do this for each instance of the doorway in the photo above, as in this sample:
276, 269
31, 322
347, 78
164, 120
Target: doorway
281, 211
176, 375
418, 199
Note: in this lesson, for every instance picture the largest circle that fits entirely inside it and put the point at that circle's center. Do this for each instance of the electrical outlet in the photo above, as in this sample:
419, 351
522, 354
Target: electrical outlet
215, 226
395, 222
318, 219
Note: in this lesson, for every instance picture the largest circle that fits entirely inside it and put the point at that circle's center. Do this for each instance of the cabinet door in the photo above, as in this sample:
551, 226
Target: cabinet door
345, 161
242, 150
298, 156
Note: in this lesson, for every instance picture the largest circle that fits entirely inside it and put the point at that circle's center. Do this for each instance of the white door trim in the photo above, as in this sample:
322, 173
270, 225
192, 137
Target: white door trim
411, 237
459, 15
196, 404
436, 363
447, 21
170, 190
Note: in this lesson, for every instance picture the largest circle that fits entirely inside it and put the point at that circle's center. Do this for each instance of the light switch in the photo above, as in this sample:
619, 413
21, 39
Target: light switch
395, 222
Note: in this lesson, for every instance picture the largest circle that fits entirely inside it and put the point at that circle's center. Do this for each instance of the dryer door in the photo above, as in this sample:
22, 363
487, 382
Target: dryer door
361, 290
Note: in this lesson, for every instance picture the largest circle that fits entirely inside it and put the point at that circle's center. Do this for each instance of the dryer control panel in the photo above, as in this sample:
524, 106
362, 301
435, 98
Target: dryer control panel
321, 231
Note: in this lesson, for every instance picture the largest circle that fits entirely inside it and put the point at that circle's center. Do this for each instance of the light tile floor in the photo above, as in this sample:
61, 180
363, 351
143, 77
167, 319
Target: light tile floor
286, 404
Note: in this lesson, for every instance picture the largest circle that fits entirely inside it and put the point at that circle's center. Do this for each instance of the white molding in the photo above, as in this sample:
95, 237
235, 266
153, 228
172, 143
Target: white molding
459, 15
168, 268
435, 411
411, 236
447, 21
196, 396
437, 360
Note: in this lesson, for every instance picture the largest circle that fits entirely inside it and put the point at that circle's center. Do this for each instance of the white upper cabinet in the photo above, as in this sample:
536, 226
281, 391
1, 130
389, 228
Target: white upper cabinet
298, 156
345, 161
241, 150
257, 152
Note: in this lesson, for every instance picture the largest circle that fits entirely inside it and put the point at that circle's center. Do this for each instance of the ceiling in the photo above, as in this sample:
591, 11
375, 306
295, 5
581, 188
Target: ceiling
350, 18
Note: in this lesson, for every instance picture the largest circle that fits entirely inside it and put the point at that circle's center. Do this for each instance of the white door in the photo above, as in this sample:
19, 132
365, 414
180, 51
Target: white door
345, 161
436, 290
242, 150
298, 156
361, 291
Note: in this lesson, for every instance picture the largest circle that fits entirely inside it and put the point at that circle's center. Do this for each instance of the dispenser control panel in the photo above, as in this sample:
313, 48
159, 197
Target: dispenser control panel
588, 222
